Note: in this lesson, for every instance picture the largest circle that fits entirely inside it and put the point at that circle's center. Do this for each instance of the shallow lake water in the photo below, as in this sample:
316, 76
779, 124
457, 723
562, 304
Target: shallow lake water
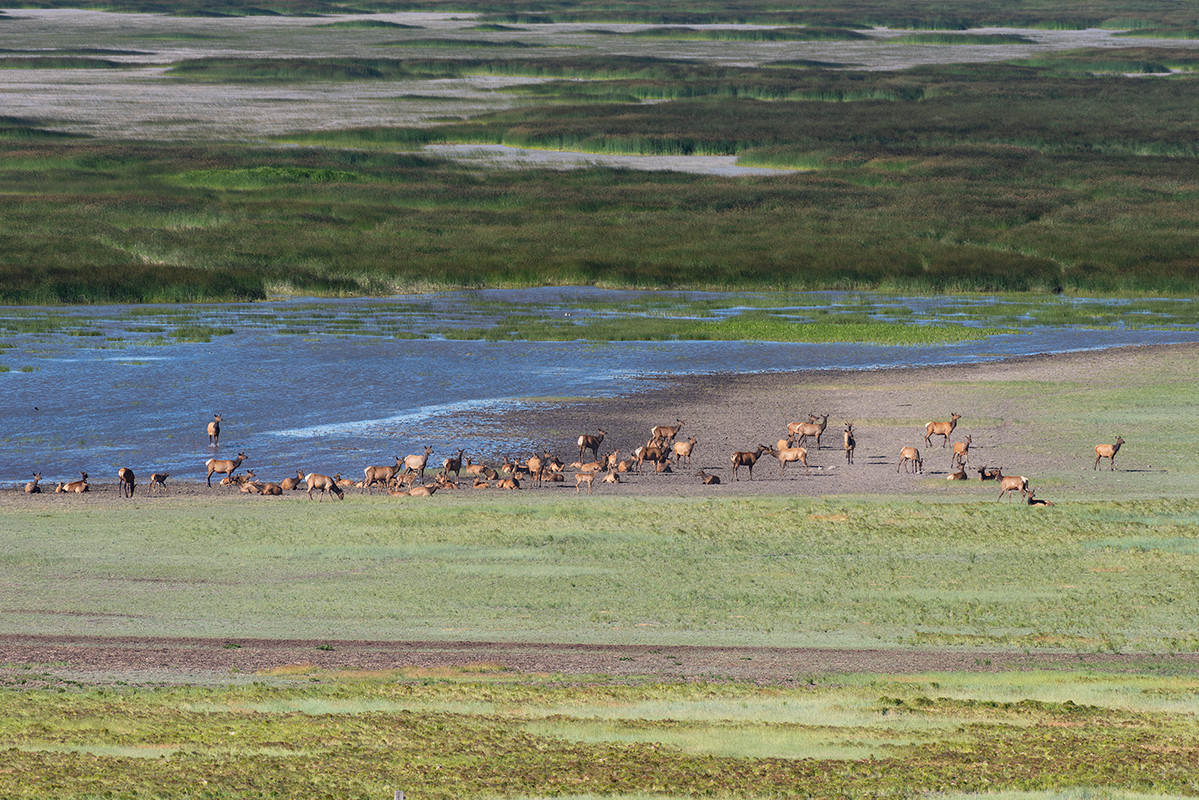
330, 385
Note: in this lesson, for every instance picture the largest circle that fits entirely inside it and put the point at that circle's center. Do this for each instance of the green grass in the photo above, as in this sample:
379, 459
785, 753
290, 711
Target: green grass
961, 38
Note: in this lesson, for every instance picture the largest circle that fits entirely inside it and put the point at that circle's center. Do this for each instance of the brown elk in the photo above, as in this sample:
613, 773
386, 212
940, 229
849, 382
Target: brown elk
654, 453
788, 455
223, 467
416, 463
379, 475
941, 429
126, 481
32, 487
423, 491
850, 443
683, 450
708, 480
536, 467
1107, 451
666, 432
480, 484
214, 430
747, 460
470, 468
814, 429
584, 477
960, 475
591, 443
1010, 483
78, 487
452, 464
508, 483
1033, 501
326, 483
159, 479
611, 477
985, 474
961, 452
273, 489
911, 456
291, 484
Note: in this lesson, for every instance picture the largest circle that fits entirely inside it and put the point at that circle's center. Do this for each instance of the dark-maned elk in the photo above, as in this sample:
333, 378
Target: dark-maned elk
1034, 501
1107, 451
32, 487
708, 480
941, 429
747, 459
223, 466
214, 430
452, 464
126, 481
592, 443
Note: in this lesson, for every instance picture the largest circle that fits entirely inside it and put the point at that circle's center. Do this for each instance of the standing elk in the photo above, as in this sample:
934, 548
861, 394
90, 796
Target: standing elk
126, 481
159, 479
667, 432
1107, 451
747, 459
373, 475
941, 429
911, 456
708, 480
214, 430
652, 452
805, 429
787, 455
325, 483
591, 443
223, 467
961, 451
452, 464
536, 467
416, 463
584, 477
1010, 483
32, 487
850, 443
683, 450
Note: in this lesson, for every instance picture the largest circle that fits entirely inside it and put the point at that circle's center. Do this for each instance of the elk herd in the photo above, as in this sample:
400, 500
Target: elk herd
664, 451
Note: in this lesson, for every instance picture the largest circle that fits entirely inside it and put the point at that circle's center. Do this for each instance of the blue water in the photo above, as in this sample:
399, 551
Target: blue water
329, 403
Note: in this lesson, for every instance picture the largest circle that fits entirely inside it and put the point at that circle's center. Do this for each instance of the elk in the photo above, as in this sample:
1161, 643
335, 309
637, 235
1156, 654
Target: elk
452, 464
78, 487
214, 430
423, 491
126, 481
480, 484
683, 450
611, 477
961, 451
1010, 483
584, 477
850, 443
663, 468
789, 454
159, 479
805, 429
272, 489
536, 466
655, 453
325, 483
591, 443
960, 475
666, 432
941, 429
1107, 451
1033, 501
346, 483
32, 487
223, 467
508, 483
985, 474
708, 480
912, 456
291, 484
417, 463
746, 459
383, 475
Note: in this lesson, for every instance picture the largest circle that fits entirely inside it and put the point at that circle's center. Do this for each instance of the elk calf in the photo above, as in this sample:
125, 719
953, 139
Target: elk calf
1107, 451
214, 430
910, 456
159, 479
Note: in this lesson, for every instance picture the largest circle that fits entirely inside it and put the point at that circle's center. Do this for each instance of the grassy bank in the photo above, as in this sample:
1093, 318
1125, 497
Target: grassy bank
466, 734
1086, 577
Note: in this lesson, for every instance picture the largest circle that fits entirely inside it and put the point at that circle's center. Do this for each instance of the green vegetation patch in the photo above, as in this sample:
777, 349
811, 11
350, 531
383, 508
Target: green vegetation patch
469, 44
961, 38
368, 24
814, 34
264, 177
64, 62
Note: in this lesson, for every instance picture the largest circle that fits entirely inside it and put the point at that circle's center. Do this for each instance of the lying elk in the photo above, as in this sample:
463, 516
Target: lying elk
1107, 451
469, 468
850, 443
747, 460
78, 487
291, 484
591, 443
1033, 501
708, 480
683, 450
666, 432
159, 479
961, 452
126, 482
32, 487
1010, 483
805, 429
788, 455
223, 467
960, 475
214, 430
985, 474
416, 463
941, 429
381, 475
325, 483
911, 456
